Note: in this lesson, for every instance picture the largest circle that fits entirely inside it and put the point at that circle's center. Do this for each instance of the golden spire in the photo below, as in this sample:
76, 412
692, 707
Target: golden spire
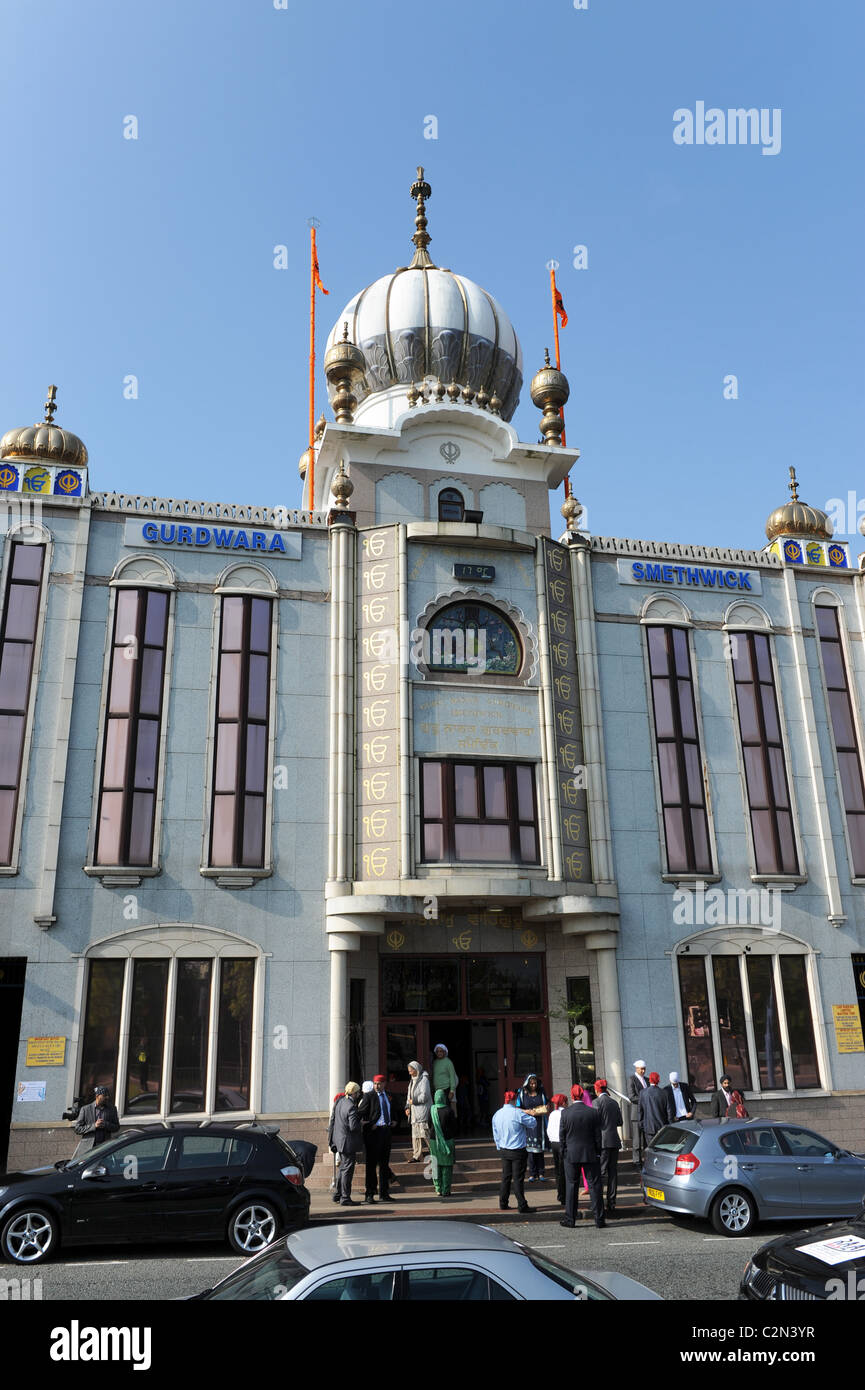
50, 405
796, 518
421, 190
793, 485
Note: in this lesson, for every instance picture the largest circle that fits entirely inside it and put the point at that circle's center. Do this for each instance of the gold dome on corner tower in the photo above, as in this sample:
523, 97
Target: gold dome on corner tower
46, 441
796, 518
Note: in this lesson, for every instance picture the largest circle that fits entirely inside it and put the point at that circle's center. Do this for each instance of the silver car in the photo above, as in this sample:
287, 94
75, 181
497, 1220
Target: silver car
737, 1172
413, 1261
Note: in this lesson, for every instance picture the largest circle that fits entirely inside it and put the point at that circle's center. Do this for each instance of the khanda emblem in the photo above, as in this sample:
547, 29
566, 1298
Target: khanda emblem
449, 451
395, 940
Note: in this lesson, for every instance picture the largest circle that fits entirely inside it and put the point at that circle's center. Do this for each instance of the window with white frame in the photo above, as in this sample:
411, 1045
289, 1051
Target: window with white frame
170, 1033
679, 759
843, 727
20, 627
762, 747
746, 1011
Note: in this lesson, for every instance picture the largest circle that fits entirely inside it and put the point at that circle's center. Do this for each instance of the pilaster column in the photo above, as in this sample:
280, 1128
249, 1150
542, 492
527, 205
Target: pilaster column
611, 1009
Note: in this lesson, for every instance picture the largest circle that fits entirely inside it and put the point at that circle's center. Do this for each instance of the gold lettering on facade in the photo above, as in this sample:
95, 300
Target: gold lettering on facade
375, 787
373, 611
529, 939
376, 749
564, 687
556, 559
573, 827
375, 576
374, 545
558, 590
463, 942
376, 862
568, 755
561, 652
395, 940
569, 791
574, 864
376, 823
375, 678
382, 644
376, 713
559, 621
565, 720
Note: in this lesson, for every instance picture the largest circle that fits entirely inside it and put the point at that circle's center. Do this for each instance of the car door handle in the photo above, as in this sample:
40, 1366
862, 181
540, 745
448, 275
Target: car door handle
803, 1167
222, 1182
147, 1187
748, 1167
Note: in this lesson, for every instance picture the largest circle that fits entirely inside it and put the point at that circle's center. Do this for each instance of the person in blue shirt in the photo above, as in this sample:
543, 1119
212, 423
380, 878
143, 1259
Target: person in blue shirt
510, 1128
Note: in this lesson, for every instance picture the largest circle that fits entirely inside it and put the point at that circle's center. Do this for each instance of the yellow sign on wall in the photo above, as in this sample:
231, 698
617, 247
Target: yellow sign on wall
46, 1052
848, 1028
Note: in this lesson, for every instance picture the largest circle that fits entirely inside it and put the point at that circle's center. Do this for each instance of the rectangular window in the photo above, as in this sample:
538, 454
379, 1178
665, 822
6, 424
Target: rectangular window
242, 727
763, 754
479, 812
234, 1050
696, 1018
191, 1035
844, 733
686, 828
130, 753
17, 646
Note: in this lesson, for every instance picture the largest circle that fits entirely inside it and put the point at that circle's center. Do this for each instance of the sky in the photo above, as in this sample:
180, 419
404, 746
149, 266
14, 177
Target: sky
716, 318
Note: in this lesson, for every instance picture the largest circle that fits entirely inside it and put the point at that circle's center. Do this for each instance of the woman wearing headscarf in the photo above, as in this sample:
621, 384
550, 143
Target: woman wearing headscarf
530, 1097
441, 1144
558, 1102
444, 1075
418, 1105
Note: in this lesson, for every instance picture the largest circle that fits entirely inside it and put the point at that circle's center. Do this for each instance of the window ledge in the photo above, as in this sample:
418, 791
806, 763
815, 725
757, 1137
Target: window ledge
236, 878
118, 876
789, 881
690, 879
7, 870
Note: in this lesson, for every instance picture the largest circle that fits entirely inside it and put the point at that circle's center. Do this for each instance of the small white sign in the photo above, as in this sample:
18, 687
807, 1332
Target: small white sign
30, 1090
834, 1252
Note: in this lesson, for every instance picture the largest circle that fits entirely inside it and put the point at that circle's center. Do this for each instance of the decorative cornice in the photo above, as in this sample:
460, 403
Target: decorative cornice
280, 518
614, 545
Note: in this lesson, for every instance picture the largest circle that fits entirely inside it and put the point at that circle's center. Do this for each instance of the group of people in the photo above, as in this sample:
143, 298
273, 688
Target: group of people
583, 1138
653, 1105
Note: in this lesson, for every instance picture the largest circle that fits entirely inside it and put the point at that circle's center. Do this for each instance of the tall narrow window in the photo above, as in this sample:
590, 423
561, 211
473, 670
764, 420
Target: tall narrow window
763, 754
241, 746
844, 732
17, 645
683, 797
130, 754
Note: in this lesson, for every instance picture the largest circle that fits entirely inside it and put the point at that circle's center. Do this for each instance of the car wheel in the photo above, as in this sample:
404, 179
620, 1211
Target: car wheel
29, 1236
733, 1213
252, 1227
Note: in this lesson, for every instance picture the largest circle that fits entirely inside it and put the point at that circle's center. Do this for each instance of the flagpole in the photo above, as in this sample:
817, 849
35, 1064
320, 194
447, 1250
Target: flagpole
311, 455
558, 362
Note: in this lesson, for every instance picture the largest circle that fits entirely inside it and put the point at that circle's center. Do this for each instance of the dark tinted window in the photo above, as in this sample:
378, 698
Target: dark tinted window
354, 1288
263, 1279
731, 1143
674, 1139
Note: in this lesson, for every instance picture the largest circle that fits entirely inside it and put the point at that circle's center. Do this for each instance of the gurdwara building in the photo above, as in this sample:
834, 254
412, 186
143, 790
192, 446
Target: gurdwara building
288, 797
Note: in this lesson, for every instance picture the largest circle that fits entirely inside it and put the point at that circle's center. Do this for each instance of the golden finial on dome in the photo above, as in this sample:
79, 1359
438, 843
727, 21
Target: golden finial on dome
549, 392
342, 487
51, 405
420, 190
796, 518
45, 441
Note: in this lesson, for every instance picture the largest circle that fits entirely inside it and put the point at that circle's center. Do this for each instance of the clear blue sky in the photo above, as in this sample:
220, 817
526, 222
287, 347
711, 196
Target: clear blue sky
154, 257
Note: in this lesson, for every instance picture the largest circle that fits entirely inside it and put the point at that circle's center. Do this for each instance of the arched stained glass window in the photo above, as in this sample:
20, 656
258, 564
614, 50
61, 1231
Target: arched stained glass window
473, 637
451, 505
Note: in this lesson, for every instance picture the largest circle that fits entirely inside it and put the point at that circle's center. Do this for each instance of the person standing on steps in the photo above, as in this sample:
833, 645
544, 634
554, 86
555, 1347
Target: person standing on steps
418, 1106
441, 1144
611, 1118
444, 1075
378, 1116
345, 1137
510, 1127
637, 1083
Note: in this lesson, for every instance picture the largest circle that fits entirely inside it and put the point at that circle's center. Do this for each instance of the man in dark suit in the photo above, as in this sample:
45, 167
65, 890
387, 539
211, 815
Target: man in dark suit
378, 1116
656, 1108
681, 1098
611, 1119
580, 1140
637, 1084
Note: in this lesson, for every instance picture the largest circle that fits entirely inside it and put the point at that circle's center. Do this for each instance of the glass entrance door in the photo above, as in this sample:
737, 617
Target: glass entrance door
523, 1051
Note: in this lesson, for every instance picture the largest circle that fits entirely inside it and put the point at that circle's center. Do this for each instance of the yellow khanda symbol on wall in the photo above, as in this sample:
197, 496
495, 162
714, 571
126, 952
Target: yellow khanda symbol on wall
395, 939
814, 552
37, 480
529, 939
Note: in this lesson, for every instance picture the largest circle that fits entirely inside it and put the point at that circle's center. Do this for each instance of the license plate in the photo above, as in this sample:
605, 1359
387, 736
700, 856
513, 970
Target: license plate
656, 1193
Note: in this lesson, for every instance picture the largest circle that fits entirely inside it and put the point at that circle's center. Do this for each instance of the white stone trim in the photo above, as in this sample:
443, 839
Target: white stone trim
670, 549
143, 572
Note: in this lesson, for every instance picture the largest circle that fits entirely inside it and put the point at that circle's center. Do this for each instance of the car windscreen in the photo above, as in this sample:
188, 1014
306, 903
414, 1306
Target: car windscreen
266, 1277
674, 1139
568, 1278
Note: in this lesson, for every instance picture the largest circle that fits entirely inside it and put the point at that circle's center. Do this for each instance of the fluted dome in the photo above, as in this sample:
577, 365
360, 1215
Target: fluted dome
45, 441
796, 518
423, 321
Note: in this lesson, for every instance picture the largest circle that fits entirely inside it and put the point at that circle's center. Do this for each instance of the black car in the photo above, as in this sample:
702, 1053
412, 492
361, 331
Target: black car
823, 1263
167, 1182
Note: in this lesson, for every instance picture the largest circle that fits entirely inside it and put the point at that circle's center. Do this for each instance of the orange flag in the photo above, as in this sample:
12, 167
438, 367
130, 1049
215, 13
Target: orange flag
317, 274
560, 309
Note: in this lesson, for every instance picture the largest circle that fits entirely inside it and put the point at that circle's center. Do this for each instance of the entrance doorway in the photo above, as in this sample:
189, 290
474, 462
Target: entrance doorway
12, 970
460, 1002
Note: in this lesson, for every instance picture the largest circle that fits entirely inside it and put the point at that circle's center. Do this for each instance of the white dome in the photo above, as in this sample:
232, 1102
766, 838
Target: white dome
422, 321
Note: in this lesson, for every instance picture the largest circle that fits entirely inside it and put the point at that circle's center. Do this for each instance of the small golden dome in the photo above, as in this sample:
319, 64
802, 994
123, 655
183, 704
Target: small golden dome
796, 518
303, 463
45, 441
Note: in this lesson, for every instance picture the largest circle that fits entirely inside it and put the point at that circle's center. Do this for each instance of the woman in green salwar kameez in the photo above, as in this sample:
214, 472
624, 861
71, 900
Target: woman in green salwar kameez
441, 1144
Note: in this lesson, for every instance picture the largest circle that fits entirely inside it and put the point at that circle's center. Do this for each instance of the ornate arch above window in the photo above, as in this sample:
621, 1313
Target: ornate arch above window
663, 608
247, 578
440, 485
741, 615
143, 572
469, 633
